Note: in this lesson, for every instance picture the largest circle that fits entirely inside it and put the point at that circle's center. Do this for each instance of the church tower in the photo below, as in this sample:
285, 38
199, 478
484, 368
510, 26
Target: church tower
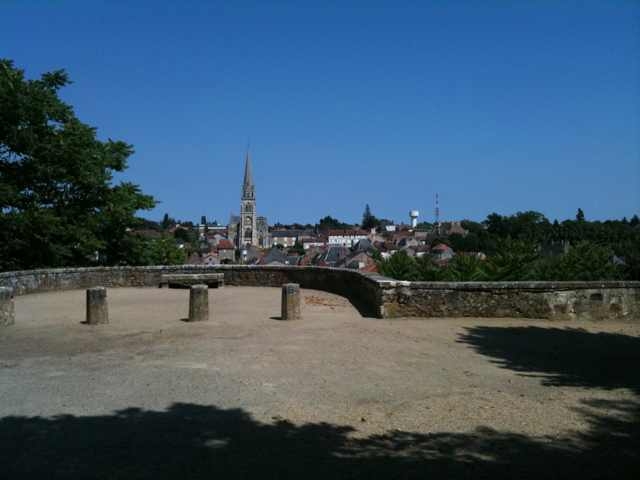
247, 234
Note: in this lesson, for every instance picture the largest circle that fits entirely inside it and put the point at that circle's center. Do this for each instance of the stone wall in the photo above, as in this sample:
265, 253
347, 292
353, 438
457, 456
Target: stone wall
373, 295
362, 290
550, 300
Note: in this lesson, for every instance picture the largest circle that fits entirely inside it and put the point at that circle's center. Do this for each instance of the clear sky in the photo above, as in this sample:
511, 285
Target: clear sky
498, 106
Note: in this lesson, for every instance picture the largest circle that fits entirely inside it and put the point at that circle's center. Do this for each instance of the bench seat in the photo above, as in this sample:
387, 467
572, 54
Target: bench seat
185, 280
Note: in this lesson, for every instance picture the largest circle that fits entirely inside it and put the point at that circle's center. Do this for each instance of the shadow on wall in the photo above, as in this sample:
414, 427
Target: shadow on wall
562, 357
194, 441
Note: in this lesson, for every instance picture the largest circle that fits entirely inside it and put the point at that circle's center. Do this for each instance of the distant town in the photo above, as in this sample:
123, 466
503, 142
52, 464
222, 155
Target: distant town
522, 246
249, 239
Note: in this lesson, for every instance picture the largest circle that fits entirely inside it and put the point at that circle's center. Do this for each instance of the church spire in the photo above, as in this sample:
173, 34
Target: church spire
247, 184
248, 176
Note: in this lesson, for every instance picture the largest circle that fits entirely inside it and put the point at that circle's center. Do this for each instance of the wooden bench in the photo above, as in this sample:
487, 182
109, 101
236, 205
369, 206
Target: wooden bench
185, 280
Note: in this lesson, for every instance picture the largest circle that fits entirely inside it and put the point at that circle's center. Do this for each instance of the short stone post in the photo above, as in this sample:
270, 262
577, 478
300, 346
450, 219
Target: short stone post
198, 303
7, 308
290, 302
97, 311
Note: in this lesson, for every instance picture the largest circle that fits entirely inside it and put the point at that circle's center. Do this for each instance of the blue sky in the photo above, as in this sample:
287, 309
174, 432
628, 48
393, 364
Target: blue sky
498, 106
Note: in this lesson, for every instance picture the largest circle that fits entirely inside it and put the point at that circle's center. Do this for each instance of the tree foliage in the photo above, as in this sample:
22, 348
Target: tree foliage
400, 266
58, 203
586, 261
167, 221
511, 261
162, 251
329, 223
369, 220
515, 261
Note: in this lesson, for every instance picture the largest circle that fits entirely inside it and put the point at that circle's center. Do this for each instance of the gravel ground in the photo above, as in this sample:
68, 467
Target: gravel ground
461, 397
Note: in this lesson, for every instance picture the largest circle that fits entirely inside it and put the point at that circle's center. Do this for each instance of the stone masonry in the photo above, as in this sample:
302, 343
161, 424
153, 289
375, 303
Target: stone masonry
97, 309
291, 302
198, 303
7, 308
373, 295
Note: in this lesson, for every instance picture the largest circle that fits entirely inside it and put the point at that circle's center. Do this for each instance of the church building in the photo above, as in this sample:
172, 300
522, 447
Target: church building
248, 229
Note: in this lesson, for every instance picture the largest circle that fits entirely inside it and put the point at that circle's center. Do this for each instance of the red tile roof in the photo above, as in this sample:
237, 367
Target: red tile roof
441, 247
225, 244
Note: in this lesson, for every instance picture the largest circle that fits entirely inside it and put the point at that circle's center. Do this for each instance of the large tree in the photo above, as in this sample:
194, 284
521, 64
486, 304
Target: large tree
369, 220
58, 203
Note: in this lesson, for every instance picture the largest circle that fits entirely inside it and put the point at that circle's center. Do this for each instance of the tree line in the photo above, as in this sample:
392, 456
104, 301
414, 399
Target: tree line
527, 246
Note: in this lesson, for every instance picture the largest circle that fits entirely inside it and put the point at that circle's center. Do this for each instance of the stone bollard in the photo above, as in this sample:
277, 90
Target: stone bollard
7, 308
198, 303
97, 311
291, 302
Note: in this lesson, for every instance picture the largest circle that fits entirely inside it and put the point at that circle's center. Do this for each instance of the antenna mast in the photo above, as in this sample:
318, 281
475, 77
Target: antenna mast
437, 214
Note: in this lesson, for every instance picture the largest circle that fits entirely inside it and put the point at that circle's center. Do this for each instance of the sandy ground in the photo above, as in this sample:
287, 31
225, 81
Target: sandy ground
546, 381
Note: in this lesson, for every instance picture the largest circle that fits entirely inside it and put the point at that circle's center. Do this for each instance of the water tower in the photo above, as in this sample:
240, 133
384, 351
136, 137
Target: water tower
414, 214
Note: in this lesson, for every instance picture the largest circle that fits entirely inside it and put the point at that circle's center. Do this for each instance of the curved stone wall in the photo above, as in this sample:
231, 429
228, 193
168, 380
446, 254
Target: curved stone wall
362, 290
550, 300
373, 295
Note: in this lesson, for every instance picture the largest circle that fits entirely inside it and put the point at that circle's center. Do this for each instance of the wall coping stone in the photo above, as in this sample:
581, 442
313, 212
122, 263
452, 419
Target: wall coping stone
524, 285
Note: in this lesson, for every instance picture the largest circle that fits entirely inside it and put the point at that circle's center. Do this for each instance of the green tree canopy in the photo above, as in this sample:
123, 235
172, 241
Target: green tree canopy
329, 222
167, 221
369, 221
400, 266
58, 203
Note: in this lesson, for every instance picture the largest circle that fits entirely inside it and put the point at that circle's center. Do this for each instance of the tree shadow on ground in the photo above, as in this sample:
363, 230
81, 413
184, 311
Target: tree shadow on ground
562, 357
196, 441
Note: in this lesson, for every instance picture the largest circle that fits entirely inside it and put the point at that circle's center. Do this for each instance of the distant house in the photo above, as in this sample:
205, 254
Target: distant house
386, 249
313, 243
378, 237
311, 255
250, 254
408, 242
286, 238
226, 251
421, 236
210, 259
275, 256
442, 253
363, 245
215, 238
451, 228
359, 260
345, 238
332, 256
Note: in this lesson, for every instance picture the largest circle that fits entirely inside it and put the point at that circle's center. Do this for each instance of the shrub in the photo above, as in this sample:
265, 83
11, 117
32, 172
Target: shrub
465, 269
399, 266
